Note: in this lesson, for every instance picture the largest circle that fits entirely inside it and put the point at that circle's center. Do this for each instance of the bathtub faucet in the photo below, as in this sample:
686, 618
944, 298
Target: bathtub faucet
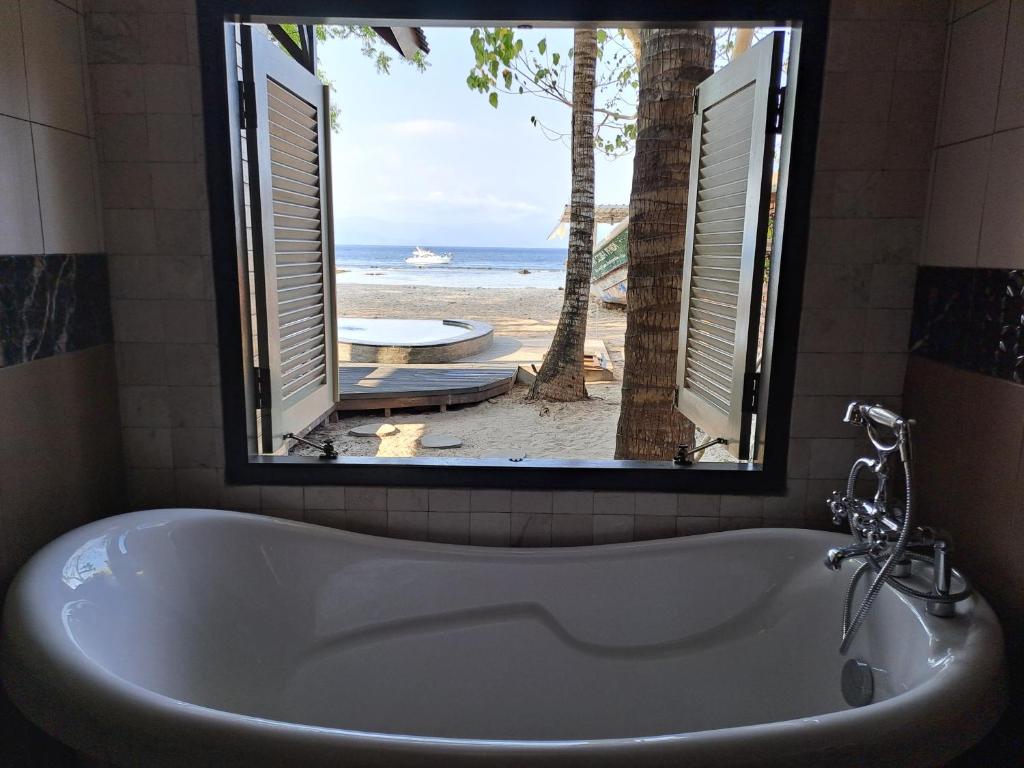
884, 534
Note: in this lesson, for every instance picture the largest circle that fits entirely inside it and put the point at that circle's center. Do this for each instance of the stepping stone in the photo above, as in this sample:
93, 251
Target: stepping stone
440, 441
513, 455
373, 430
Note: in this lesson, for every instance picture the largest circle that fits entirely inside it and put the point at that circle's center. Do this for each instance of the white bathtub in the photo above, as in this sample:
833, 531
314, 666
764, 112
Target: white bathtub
194, 637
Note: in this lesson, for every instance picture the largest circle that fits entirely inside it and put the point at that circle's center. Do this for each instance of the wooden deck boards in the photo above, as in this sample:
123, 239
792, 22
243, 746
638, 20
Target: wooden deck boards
370, 387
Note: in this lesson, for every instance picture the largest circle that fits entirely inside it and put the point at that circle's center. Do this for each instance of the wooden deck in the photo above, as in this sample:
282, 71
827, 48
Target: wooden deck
383, 387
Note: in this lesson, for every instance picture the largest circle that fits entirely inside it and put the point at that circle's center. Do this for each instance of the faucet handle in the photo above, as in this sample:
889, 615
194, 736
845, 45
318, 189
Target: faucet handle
839, 508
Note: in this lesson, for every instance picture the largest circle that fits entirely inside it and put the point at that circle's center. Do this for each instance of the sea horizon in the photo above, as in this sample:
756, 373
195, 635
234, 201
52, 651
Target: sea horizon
471, 266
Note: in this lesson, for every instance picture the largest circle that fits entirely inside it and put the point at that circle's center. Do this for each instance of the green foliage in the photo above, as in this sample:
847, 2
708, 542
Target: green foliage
502, 64
370, 45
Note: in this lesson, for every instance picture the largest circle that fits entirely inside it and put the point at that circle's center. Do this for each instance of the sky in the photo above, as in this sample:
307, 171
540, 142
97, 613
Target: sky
422, 159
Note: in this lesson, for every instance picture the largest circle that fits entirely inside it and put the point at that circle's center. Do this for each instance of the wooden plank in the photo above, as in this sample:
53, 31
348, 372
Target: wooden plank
376, 381
420, 401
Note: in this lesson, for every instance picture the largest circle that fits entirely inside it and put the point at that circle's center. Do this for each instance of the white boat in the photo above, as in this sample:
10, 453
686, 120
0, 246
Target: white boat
424, 257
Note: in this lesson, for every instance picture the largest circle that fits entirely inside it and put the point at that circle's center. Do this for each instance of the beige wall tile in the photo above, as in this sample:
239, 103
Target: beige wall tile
117, 89
408, 524
1002, 227
572, 530
1011, 91
531, 502
55, 65
490, 500
168, 88
827, 373
66, 171
922, 46
610, 529
856, 97
13, 84
741, 506
67, 400
407, 499
958, 193
20, 226
125, 185
861, 46
448, 527
915, 97
448, 500
122, 138
972, 74
492, 529
656, 504
690, 526
530, 529
892, 285
366, 497
281, 496
614, 503
324, 497
654, 527
963, 7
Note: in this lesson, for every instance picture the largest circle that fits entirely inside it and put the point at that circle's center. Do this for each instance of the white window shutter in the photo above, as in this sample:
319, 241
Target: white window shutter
286, 127
726, 233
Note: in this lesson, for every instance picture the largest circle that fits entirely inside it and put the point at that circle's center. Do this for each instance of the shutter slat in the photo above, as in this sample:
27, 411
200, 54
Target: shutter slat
717, 312
286, 156
279, 92
293, 386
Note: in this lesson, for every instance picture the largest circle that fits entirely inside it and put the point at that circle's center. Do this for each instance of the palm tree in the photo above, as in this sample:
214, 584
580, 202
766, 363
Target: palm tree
673, 62
561, 375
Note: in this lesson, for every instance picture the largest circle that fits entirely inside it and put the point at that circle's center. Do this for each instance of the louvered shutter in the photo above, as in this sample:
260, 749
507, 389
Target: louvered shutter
286, 128
726, 232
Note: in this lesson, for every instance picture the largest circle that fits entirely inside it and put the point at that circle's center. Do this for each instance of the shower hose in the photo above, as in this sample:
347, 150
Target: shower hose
883, 569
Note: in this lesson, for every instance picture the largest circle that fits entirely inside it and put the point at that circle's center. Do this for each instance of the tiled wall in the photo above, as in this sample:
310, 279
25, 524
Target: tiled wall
879, 111
59, 445
971, 411
60, 456
962, 387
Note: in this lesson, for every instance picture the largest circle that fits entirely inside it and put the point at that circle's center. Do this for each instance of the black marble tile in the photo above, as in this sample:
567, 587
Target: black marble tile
52, 304
972, 319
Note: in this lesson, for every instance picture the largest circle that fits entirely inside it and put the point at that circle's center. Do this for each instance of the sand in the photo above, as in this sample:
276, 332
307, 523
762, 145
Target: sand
524, 321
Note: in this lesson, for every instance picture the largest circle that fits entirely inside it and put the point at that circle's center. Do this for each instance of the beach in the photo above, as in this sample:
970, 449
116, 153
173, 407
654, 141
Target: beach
524, 321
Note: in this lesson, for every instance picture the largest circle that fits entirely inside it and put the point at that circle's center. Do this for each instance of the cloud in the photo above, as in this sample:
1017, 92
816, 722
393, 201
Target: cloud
423, 127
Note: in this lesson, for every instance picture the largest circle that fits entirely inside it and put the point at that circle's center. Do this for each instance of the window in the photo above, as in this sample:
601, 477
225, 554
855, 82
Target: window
268, 140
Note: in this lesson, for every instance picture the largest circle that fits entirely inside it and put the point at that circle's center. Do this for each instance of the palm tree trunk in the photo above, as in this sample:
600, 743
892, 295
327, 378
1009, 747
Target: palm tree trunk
561, 375
673, 62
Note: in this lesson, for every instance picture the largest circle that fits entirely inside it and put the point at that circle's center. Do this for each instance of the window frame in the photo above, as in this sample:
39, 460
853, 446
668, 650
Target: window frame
810, 17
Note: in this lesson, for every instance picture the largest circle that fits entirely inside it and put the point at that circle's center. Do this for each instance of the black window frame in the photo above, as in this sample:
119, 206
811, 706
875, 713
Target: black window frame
769, 477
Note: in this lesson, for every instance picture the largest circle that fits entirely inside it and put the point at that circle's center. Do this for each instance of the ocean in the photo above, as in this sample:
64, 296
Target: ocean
470, 267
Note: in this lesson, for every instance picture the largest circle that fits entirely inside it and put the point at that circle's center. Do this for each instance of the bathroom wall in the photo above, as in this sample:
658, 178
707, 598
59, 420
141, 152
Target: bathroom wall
965, 382
879, 110
59, 444
60, 455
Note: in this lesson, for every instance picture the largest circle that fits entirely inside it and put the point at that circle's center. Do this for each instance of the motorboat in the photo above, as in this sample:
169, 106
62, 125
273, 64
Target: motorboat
423, 257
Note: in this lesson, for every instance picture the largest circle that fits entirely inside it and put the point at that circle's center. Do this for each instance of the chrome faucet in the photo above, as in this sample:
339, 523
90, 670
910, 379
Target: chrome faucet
885, 535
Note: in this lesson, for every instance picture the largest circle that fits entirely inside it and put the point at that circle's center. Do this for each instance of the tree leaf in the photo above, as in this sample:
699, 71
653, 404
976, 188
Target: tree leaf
555, 57
493, 98
542, 45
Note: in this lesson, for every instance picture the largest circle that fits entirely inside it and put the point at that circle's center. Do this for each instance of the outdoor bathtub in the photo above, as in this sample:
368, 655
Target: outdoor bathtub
205, 638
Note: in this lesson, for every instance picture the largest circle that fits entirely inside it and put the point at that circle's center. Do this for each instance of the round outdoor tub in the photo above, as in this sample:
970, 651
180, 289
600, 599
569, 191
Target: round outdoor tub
382, 340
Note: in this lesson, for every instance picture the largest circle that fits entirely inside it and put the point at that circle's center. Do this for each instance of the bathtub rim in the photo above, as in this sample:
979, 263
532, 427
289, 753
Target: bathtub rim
104, 703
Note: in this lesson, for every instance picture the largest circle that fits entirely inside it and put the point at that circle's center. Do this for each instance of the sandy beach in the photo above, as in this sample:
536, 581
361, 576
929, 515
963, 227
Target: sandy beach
524, 321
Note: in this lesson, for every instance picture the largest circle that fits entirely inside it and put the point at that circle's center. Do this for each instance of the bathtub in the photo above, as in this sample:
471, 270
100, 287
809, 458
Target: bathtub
207, 638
